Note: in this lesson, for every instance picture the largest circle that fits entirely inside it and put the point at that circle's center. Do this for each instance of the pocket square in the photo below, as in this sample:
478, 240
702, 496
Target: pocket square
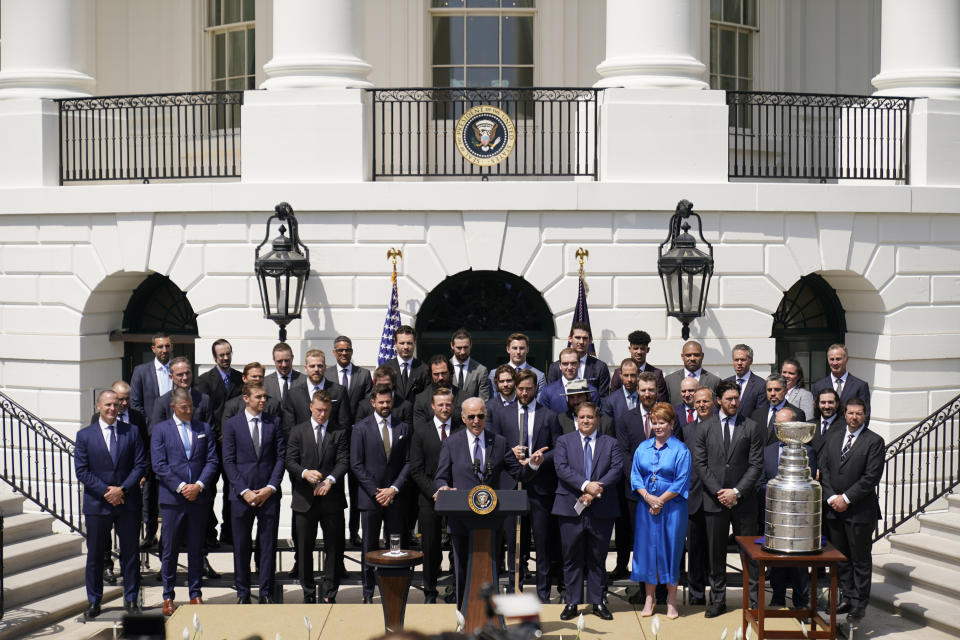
201, 435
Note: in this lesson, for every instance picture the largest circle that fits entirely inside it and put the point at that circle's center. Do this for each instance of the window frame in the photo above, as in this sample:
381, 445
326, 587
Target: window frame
752, 31
211, 31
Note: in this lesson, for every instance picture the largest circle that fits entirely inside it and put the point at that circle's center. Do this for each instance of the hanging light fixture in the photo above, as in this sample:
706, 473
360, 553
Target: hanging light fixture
282, 271
684, 269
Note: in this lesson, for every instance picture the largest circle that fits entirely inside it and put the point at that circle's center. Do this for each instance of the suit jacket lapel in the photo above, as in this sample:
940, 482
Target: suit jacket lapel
735, 436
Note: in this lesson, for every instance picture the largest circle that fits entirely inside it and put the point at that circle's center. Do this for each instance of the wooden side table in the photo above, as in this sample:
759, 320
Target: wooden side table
393, 576
756, 618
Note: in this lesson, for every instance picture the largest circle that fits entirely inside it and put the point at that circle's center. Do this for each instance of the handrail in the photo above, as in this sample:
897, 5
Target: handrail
37, 461
920, 467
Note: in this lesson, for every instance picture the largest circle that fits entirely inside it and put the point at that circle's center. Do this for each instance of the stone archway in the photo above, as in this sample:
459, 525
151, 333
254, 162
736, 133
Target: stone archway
157, 304
808, 320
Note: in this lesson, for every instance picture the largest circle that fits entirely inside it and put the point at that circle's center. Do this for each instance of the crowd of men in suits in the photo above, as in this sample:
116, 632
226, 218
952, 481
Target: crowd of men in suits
369, 453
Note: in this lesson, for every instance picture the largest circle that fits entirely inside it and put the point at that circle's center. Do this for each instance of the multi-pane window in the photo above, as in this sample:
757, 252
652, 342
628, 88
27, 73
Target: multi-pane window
733, 28
482, 43
230, 25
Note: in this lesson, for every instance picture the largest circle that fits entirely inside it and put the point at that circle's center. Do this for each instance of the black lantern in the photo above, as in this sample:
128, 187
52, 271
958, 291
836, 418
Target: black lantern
685, 270
283, 271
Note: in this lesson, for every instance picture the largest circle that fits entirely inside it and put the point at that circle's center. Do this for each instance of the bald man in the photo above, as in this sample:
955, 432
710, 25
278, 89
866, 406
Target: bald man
692, 357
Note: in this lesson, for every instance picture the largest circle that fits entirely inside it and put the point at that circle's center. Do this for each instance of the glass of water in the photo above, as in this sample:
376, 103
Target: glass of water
394, 544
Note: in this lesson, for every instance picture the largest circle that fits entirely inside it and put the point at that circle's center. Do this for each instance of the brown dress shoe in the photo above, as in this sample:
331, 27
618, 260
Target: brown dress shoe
168, 607
197, 600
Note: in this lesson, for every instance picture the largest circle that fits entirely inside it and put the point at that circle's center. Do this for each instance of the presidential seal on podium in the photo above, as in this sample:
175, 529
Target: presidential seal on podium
482, 499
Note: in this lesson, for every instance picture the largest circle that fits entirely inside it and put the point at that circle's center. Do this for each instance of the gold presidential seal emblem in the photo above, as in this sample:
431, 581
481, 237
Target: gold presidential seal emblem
482, 499
485, 135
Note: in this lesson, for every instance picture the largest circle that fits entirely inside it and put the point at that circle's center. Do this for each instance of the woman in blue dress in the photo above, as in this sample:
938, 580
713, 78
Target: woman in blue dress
661, 477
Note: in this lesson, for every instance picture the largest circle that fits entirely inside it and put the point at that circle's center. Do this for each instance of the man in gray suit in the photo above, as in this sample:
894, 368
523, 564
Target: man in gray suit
279, 382
469, 376
692, 355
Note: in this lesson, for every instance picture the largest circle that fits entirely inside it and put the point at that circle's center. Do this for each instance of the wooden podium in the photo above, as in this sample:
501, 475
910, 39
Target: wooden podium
472, 510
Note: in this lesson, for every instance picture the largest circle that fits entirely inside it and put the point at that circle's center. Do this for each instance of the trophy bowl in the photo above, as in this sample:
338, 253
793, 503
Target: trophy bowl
795, 432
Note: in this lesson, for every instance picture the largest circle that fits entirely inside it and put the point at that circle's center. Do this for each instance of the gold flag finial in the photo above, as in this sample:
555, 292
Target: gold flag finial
582, 254
393, 254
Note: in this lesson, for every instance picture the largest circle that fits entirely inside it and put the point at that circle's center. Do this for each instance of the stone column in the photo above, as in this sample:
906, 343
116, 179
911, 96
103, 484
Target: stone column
316, 44
919, 49
653, 44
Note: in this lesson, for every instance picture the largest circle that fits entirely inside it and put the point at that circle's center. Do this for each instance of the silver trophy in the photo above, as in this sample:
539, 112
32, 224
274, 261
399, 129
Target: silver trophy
793, 498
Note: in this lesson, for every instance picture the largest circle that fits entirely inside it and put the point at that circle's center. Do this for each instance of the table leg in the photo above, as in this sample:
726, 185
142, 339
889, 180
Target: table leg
745, 600
813, 597
761, 600
394, 587
833, 599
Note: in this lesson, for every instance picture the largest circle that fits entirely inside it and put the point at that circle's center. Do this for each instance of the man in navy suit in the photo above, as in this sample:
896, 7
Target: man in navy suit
504, 388
253, 461
776, 399
185, 461
591, 369
752, 387
686, 410
473, 456
589, 467
528, 426
518, 346
639, 348
624, 397
553, 395
412, 375
110, 461
842, 381
380, 460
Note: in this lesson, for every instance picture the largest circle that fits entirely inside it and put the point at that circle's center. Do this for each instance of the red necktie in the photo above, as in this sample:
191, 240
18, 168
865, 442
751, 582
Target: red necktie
689, 415
646, 425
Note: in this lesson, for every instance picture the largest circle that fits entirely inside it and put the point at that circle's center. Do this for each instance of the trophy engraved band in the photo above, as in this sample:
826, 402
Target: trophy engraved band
793, 503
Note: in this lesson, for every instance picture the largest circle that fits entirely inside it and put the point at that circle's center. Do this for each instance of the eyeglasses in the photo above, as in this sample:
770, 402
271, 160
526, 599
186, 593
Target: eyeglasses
476, 416
347, 350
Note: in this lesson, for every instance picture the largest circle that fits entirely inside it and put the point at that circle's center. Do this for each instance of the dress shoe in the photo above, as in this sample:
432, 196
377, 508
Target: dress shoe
309, 598
367, 599
844, 607
569, 612
695, 601
168, 608
620, 573
92, 611
600, 610
131, 606
243, 600
330, 600
197, 600
355, 540
715, 609
855, 616
430, 598
109, 576
266, 599
209, 571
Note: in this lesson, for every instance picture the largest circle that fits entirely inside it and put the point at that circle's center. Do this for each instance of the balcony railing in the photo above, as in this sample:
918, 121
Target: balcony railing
171, 136
801, 136
414, 132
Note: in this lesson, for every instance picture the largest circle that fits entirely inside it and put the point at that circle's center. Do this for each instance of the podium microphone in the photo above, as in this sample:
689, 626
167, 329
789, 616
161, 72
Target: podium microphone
488, 472
476, 469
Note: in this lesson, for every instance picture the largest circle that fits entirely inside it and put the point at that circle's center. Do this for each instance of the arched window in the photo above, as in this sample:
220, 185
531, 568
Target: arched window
157, 304
809, 319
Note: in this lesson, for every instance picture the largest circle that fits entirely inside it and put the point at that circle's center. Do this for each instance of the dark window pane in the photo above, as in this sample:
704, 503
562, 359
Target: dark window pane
213, 13
448, 77
220, 55
482, 77
248, 9
251, 52
517, 40
731, 10
447, 40
744, 55
519, 4
235, 40
483, 4
517, 77
728, 84
750, 12
446, 4
219, 85
728, 52
714, 53
716, 12
714, 82
483, 40
231, 11
251, 82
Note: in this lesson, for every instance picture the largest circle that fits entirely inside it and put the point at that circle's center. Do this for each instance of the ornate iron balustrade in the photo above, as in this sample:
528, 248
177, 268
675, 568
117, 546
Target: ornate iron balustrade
172, 136
922, 465
413, 131
37, 461
803, 136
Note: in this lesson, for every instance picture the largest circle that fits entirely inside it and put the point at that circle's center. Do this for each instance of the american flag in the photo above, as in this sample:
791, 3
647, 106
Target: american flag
390, 325
581, 313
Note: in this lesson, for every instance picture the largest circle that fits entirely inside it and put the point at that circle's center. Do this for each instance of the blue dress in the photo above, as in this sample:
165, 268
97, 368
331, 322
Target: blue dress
658, 540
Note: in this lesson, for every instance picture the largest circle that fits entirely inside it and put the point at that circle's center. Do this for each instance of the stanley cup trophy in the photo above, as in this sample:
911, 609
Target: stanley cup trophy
793, 497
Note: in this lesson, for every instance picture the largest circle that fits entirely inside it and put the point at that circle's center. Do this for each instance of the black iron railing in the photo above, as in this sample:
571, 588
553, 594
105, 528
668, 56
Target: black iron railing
922, 466
805, 136
37, 461
150, 137
414, 131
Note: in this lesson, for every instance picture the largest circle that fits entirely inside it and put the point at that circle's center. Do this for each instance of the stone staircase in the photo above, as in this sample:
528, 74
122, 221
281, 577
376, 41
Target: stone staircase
920, 576
43, 571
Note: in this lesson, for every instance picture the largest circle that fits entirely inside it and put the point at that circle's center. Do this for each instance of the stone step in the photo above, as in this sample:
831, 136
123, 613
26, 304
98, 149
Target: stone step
926, 548
927, 579
11, 503
35, 552
48, 611
945, 524
24, 526
953, 502
916, 606
42, 582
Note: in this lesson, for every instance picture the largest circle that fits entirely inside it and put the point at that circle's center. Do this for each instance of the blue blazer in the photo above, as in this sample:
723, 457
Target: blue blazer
607, 468
546, 430
552, 396
455, 467
202, 409
369, 463
172, 467
244, 469
615, 404
595, 371
95, 468
144, 390
754, 394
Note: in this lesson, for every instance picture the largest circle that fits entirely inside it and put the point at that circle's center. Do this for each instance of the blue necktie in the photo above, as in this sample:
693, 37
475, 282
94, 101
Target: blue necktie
114, 445
226, 381
587, 458
185, 436
478, 457
632, 401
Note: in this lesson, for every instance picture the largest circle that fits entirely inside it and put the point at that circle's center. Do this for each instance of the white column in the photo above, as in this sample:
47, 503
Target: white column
653, 44
45, 48
919, 49
316, 44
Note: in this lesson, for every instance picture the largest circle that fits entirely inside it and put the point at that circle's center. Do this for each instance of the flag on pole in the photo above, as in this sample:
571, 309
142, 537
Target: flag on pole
581, 313
390, 324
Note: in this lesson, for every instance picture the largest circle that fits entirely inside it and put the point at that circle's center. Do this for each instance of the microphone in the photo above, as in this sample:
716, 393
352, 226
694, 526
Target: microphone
476, 468
488, 472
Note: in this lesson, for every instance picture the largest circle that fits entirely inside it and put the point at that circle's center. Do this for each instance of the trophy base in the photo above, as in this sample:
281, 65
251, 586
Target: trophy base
791, 552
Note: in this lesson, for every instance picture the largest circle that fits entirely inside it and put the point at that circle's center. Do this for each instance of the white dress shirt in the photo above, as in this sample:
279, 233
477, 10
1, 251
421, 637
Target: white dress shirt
105, 432
249, 416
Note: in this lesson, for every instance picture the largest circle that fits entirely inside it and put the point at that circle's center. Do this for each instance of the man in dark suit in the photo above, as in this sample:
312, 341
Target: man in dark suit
686, 410
470, 377
110, 462
850, 469
253, 374
728, 458
296, 404
318, 456
589, 467
528, 426
504, 388
827, 417
518, 347
692, 356
412, 376
751, 386
402, 410
428, 436
842, 381
639, 348
553, 395
185, 461
380, 460
473, 456
253, 461
440, 377
776, 399
149, 381
591, 369
279, 382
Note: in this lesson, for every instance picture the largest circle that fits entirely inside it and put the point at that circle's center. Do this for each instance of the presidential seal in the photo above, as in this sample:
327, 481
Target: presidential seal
485, 135
482, 499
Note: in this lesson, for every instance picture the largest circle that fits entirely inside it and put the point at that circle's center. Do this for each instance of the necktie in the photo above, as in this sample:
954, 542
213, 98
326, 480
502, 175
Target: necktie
403, 373
823, 429
646, 425
345, 381
226, 382
740, 384
165, 383
284, 388
524, 428
846, 447
320, 436
478, 457
632, 401
689, 414
839, 386
315, 389
114, 445
460, 376
255, 434
773, 415
691, 375
443, 432
185, 436
385, 433
587, 458
726, 434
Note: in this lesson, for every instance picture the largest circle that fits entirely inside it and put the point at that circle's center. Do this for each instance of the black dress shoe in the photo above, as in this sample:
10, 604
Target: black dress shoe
367, 599
855, 617
243, 600
569, 612
620, 573
430, 598
208, 571
131, 606
309, 598
355, 540
715, 609
266, 599
600, 610
92, 611
110, 576
844, 607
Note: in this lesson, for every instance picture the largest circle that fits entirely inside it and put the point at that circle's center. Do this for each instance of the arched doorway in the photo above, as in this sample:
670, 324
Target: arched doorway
157, 304
490, 305
809, 319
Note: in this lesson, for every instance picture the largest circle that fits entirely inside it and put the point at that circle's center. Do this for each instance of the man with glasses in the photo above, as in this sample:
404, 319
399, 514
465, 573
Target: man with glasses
553, 395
